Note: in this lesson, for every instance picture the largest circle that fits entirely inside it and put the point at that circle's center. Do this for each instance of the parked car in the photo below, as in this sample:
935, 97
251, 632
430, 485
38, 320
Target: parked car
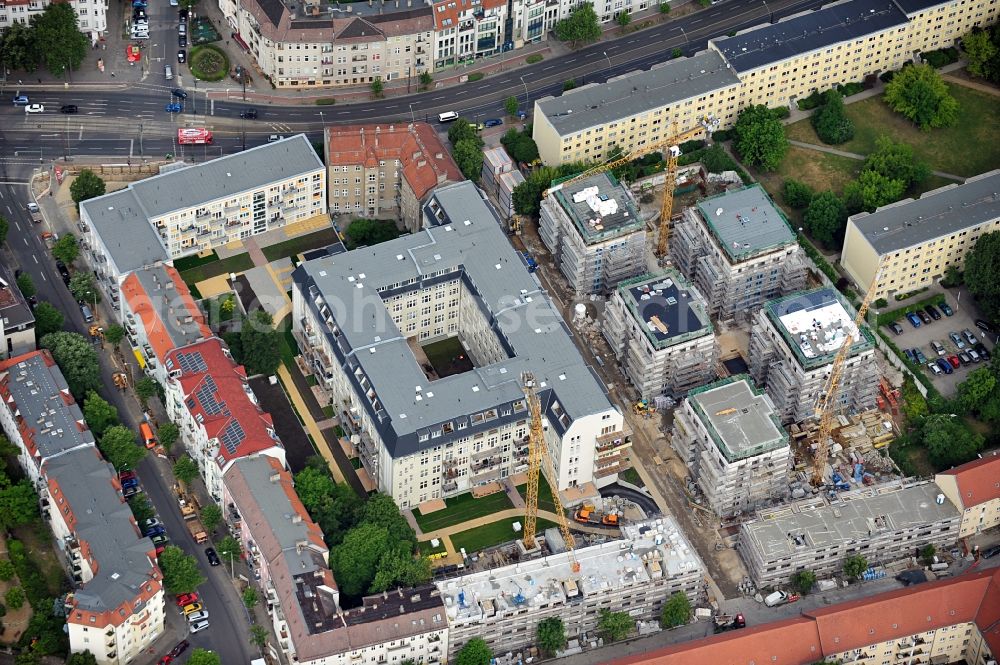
946, 308
192, 608
913, 319
921, 358
955, 362
200, 615
957, 339
34, 108
970, 336
182, 41
983, 352
155, 531
213, 558
182, 14
938, 347
180, 648
129, 482
186, 599
933, 367
274, 137
178, 93
69, 108
945, 366
965, 358
932, 310
160, 539
199, 626
924, 316
173, 107
249, 114
911, 355
128, 473
980, 323
896, 328
493, 122
991, 552
151, 522
182, 56
973, 355
130, 492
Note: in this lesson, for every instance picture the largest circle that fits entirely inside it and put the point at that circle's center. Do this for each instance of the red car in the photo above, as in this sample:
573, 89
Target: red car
186, 599
166, 660
954, 361
159, 549
125, 475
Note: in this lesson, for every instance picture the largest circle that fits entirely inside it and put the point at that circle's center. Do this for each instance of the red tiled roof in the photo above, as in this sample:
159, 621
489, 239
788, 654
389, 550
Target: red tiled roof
978, 481
157, 332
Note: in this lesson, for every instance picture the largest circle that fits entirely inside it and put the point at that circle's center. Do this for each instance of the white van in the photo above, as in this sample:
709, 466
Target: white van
168, 71
447, 116
88, 316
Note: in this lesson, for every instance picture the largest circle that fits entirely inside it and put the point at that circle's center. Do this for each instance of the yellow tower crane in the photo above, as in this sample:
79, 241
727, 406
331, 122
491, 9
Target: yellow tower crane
825, 407
671, 149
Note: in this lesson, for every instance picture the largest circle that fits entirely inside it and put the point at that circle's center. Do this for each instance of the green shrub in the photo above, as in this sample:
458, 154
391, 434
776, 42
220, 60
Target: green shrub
797, 194
885, 318
814, 100
676, 53
941, 57
687, 146
849, 89
664, 7
832, 125
326, 101
208, 63
476, 76
533, 58
906, 296
781, 112
721, 135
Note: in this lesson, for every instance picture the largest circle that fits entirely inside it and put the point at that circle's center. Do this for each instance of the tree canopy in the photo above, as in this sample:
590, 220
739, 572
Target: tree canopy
99, 413
204, 657
804, 581
474, 652
830, 122
368, 232
676, 611
825, 218
982, 274
797, 194
464, 130
469, 158
335, 508
896, 161
920, 94
77, 360
86, 185
118, 445
211, 516
18, 502
872, 190
580, 27
25, 285
180, 572
66, 249
48, 319
519, 145
114, 334
512, 106
551, 635
82, 286
759, 137
82, 658
167, 434
949, 440
229, 548
259, 343
18, 49
982, 52
615, 626
854, 566
58, 40
528, 195
185, 470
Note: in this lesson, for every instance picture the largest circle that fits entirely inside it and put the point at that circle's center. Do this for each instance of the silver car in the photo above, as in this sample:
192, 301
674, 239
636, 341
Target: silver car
199, 626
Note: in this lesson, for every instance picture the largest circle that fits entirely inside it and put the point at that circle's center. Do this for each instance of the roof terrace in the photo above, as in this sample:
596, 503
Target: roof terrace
815, 325
600, 208
668, 309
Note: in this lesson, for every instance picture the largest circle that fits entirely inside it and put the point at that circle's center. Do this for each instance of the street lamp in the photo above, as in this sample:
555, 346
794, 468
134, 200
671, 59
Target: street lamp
412, 121
609, 61
526, 100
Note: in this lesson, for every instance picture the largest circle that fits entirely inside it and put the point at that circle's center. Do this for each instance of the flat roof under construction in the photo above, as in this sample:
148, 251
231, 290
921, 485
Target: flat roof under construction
666, 307
739, 417
815, 324
600, 207
746, 223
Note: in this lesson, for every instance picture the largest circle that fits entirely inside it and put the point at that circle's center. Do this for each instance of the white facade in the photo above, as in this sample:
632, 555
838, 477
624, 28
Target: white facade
91, 15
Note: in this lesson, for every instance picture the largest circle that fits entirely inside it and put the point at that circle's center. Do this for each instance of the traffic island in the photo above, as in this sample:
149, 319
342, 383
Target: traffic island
208, 63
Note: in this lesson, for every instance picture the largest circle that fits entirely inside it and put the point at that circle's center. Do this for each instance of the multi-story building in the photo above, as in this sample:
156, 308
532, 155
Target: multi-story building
661, 335
792, 346
732, 443
594, 230
948, 621
975, 489
159, 315
310, 45
91, 15
637, 573
883, 523
385, 170
916, 240
738, 250
468, 29
366, 319
220, 420
17, 322
196, 208
773, 64
285, 549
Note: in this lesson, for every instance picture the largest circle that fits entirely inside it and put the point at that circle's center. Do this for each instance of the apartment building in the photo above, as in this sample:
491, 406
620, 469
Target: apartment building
220, 419
661, 335
882, 523
468, 29
594, 230
91, 15
774, 64
385, 170
916, 240
286, 552
635, 574
431, 430
738, 250
731, 441
279, 185
159, 315
116, 609
975, 488
17, 320
948, 621
792, 346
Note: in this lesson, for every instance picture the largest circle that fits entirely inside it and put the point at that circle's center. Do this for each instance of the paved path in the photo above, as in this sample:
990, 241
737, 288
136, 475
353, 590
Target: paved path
975, 85
309, 423
255, 252
854, 155
510, 513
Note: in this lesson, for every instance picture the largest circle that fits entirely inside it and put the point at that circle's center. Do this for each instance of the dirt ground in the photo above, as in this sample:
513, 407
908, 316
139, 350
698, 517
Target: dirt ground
15, 621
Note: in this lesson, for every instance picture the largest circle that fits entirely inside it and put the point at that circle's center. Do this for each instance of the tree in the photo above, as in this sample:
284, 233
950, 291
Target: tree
18, 503
82, 658
676, 611
99, 413
313, 486
854, 566
114, 334
258, 635
952, 277
180, 571
871, 191
368, 232
66, 249
664, 7
185, 470
624, 18
211, 515
14, 598
759, 137
83, 288
982, 273
897, 162
6, 570
119, 447
551, 635
461, 130
982, 54
615, 626
475, 652
580, 27
830, 122
425, 80
469, 158
927, 554
142, 509
77, 360
920, 94
259, 340
825, 218
528, 195
48, 319
797, 194
18, 48
250, 597
87, 185
977, 388
804, 581
377, 554
229, 549
204, 657
168, 434
145, 389
519, 145
25, 285
512, 106
377, 87
949, 440
59, 41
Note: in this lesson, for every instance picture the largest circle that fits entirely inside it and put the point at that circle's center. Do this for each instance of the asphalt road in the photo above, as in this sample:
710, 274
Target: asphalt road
228, 634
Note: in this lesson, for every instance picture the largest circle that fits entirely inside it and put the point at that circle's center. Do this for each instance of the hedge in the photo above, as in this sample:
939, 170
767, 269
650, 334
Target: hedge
30, 576
941, 57
849, 89
885, 318
818, 259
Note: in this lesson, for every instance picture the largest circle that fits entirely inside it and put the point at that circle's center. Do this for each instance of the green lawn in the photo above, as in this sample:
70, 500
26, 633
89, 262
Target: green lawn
819, 170
492, 534
214, 268
461, 508
443, 357
426, 549
970, 147
294, 246
194, 260
216, 315
544, 494
286, 343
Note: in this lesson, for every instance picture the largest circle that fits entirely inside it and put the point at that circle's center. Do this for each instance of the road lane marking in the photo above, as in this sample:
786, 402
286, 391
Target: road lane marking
44, 278
35, 258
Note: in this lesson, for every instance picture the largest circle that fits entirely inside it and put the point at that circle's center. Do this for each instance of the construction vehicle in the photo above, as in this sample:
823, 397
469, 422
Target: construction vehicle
670, 147
587, 514
187, 504
197, 530
120, 379
826, 405
96, 331
724, 622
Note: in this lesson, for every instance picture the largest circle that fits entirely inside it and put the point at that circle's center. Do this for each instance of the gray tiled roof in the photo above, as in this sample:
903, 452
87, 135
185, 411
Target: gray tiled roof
119, 219
810, 31
637, 92
13, 307
104, 521
935, 214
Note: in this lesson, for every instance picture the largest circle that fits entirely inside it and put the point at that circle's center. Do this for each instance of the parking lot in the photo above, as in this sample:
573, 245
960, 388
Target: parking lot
921, 338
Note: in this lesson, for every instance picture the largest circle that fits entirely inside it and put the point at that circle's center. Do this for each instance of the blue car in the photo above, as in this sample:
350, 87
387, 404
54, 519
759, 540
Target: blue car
945, 366
155, 531
138, 3
173, 107
130, 482
913, 319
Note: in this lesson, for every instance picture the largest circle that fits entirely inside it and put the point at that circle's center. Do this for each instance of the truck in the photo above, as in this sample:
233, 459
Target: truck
187, 504
193, 136
197, 530
587, 514
36, 214
724, 622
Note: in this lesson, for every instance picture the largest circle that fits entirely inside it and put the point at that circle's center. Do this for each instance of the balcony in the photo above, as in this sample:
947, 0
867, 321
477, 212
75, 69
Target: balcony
449, 486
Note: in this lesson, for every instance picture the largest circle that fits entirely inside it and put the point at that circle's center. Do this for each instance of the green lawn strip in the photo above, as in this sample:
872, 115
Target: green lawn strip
194, 260
238, 263
299, 244
287, 345
544, 494
440, 354
426, 549
494, 533
462, 508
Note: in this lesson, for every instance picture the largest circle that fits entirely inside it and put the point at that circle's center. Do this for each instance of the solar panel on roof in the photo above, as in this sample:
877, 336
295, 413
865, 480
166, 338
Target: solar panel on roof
206, 395
192, 362
232, 436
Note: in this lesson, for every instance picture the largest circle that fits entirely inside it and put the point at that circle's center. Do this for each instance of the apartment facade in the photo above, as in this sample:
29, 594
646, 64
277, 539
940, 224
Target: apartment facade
425, 435
975, 488
772, 64
916, 240
91, 15
17, 320
731, 441
884, 524
595, 233
220, 419
738, 250
468, 29
661, 335
792, 346
385, 171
